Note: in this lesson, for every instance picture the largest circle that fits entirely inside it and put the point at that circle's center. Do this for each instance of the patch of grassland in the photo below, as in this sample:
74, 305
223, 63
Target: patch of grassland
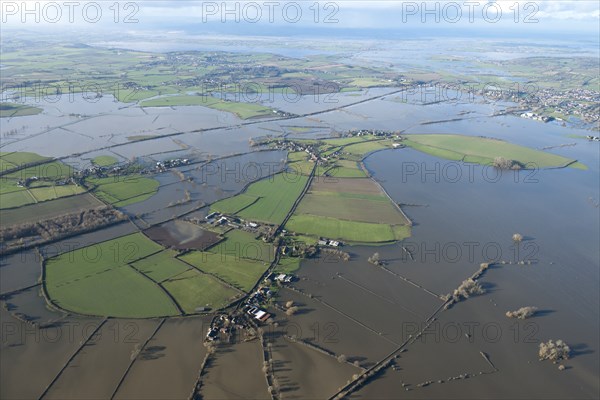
161, 266
104, 161
346, 169
354, 210
54, 192
117, 292
369, 82
15, 198
43, 189
140, 137
121, 191
233, 204
240, 260
50, 170
45, 210
244, 245
239, 272
362, 149
20, 158
288, 265
242, 110
17, 110
193, 289
299, 164
482, 150
378, 210
276, 196
352, 231
96, 280
171, 101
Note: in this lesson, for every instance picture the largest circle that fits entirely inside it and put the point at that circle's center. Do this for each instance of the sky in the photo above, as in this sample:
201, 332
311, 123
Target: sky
272, 17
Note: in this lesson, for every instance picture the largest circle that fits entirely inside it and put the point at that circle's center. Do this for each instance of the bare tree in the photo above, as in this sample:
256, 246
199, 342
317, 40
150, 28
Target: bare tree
374, 259
554, 351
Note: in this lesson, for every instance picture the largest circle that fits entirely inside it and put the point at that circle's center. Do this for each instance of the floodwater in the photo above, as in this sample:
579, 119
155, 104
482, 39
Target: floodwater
463, 215
169, 366
111, 351
220, 381
32, 357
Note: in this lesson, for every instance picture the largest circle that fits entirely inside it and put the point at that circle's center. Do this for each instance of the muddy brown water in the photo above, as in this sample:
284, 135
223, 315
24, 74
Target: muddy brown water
169, 365
32, 357
110, 350
19, 270
235, 371
306, 373
329, 329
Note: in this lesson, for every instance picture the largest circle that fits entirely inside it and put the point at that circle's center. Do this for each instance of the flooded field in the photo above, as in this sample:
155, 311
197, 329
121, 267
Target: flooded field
218, 381
351, 315
182, 235
169, 365
304, 372
111, 348
33, 357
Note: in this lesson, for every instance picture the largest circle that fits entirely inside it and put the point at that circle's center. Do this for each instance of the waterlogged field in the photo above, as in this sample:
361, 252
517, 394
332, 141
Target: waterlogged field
481, 150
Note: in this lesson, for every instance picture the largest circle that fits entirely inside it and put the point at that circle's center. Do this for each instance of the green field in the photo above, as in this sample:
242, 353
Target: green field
233, 204
239, 272
240, 260
17, 110
46, 210
121, 191
161, 266
15, 198
483, 150
243, 244
346, 169
42, 189
352, 231
49, 170
96, 280
354, 210
14, 159
299, 164
375, 209
193, 289
104, 161
242, 110
54, 192
288, 265
362, 149
172, 101
276, 195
